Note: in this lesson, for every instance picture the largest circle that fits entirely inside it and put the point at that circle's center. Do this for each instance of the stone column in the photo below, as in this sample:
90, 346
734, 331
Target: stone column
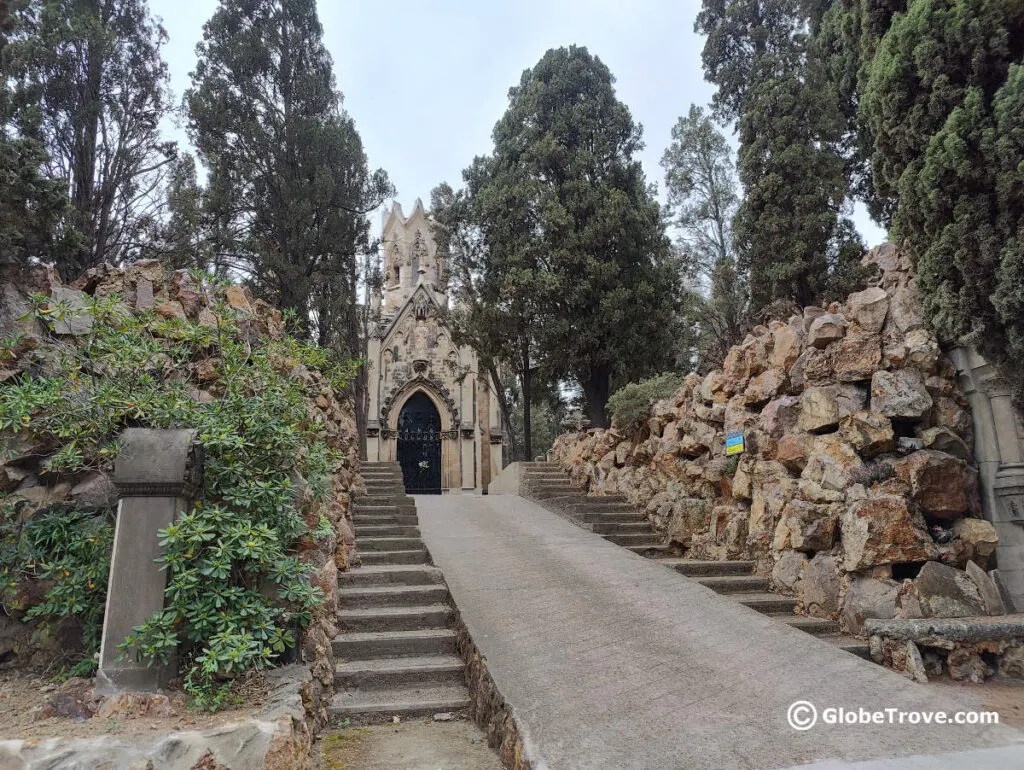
1000, 456
158, 474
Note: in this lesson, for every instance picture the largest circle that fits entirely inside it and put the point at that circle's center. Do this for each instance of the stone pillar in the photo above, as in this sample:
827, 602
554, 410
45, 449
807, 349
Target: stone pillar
158, 474
1000, 456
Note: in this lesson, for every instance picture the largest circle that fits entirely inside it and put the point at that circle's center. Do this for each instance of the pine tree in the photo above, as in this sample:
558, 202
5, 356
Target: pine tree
89, 81
568, 215
702, 196
944, 100
848, 38
701, 187
286, 163
33, 208
496, 289
789, 231
182, 235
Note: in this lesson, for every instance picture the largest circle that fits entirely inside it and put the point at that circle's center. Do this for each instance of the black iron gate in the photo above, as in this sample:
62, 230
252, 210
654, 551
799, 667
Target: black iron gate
419, 446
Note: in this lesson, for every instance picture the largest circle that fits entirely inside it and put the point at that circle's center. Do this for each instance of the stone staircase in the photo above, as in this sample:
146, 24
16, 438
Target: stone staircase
618, 521
610, 516
396, 653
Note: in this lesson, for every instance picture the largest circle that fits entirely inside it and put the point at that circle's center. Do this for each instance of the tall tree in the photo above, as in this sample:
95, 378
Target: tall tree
89, 78
791, 235
573, 200
33, 207
944, 100
702, 196
496, 288
182, 237
290, 187
849, 35
701, 188
286, 164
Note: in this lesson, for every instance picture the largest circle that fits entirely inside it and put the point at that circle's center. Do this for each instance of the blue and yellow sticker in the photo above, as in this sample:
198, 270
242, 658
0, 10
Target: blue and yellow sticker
734, 443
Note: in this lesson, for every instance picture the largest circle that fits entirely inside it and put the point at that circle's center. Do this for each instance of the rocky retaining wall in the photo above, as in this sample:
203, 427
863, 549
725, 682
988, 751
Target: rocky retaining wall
147, 286
968, 650
278, 737
488, 708
857, 490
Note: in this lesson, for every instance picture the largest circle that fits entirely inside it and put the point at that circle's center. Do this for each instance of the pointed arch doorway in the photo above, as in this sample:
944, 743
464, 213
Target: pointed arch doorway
419, 445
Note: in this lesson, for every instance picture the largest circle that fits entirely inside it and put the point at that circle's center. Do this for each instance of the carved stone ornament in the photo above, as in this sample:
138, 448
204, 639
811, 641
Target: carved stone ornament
421, 308
428, 383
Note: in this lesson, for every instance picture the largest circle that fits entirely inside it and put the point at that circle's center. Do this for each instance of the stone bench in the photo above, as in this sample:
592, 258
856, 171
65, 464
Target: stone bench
968, 648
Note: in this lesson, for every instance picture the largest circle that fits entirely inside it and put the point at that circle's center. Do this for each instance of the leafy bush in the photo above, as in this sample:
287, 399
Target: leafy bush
236, 588
70, 549
631, 404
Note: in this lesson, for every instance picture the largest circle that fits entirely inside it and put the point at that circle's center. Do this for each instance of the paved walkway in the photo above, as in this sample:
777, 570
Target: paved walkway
612, 661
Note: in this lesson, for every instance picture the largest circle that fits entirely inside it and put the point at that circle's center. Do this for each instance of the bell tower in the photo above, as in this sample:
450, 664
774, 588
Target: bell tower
410, 257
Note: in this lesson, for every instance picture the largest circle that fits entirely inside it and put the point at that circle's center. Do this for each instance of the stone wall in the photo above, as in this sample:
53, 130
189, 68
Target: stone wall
857, 490
143, 286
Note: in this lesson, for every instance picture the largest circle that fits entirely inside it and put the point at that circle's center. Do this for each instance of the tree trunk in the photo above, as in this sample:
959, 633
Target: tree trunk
506, 422
596, 391
527, 380
83, 158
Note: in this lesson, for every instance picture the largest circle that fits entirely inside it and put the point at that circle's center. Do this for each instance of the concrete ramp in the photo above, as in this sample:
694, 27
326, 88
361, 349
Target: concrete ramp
610, 660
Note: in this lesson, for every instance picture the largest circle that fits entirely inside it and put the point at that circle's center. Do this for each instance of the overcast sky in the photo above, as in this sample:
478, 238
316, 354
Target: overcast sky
425, 82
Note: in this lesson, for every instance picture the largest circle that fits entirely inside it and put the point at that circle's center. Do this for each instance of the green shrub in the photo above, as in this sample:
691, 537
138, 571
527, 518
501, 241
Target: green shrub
236, 587
70, 549
631, 404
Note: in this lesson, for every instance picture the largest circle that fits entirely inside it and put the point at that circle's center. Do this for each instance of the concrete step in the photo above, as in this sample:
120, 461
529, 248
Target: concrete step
543, 493
386, 519
731, 584
695, 567
850, 644
654, 551
382, 464
814, 626
372, 509
647, 538
415, 618
371, 645
362, 597
390, 500
401, 672
408, 703
391, 574
598, 517
621, 527
385, 488
389, 543
598, 505
415, 556
385, 530
765, 602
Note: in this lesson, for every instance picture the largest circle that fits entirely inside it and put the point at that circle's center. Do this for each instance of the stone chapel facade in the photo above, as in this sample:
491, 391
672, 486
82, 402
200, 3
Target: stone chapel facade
431, 408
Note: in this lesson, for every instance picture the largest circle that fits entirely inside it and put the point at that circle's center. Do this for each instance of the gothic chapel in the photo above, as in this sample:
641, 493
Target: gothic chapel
430, 406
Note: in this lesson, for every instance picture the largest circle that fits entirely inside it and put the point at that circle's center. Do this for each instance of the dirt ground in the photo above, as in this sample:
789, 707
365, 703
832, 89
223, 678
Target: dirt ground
423, 745
23, 696
1005, 696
